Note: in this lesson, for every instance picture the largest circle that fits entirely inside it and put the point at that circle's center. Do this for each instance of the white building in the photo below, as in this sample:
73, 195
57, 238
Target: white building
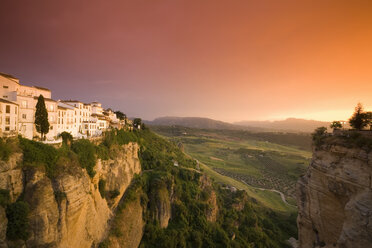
67, 119
18, 106
8, 118
26, 98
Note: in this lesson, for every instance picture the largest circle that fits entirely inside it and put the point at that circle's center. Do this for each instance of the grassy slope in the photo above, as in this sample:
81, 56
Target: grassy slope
240, 159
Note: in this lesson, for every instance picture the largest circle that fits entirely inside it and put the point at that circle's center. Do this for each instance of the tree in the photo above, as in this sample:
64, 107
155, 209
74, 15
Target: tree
319, 135
359, 119
137, 122
66, 138
41, 117
120, 115
369, 119
336, 125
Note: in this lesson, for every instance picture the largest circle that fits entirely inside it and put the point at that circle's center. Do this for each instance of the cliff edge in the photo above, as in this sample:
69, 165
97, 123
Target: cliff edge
335, 196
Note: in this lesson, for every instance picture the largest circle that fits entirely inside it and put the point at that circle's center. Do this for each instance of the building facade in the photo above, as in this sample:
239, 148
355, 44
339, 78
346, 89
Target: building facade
18, 106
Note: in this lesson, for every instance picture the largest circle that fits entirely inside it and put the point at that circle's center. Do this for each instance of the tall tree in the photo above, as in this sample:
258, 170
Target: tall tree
359, 119
137, 122
41, 117
120, 115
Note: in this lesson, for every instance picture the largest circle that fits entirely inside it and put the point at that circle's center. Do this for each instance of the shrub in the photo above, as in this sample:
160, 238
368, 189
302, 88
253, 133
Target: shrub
18, 224
102, 152
114, 193
66, 137
102, 187
5, 150
319, 135
86, 152
4, 197
39, 154
104, 244
59, 195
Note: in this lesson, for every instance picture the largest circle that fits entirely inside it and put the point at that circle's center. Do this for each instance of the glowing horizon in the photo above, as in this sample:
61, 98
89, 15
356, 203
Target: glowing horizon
225, 60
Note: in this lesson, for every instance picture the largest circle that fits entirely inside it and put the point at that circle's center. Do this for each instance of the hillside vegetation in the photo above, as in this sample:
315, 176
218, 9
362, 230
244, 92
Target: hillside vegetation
272, 161
180, 206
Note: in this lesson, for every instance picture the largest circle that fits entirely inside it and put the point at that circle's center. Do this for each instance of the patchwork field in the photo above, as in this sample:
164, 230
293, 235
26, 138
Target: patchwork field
258, 162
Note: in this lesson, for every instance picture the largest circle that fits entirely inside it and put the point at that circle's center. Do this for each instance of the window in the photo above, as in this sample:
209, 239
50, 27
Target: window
51, 127
7, 128
7, 120
5, 86
24, 104
24, 116
51, 118
5, 96
7, 109
15, 110
51, 107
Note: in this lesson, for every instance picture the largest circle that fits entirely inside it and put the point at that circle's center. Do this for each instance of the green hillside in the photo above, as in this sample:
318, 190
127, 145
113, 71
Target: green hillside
272, 161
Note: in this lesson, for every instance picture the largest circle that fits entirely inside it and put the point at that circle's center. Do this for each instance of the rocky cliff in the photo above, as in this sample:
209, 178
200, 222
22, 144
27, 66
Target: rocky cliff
68, 210
335, 197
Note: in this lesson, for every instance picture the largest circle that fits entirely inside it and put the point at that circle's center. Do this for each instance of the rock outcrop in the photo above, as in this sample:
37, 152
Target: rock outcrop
130, 225
68, 210
160, 204
206, 186
335, 198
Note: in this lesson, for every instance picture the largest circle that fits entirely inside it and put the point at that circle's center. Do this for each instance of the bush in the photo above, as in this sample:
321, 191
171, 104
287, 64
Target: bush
18, 224
104, 244
5, 150
4, 197
319, 135
86, 152
102, 187
66, 137
59, 195
114, 193
39, 154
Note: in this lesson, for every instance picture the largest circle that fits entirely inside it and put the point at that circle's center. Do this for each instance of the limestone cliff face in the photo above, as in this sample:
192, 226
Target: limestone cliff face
130, 225
68, 211
212, 211
335, 198
160, 204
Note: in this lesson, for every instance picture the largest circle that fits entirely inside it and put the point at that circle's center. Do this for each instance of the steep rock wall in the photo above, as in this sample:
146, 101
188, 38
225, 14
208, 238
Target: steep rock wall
67, 211
335, 198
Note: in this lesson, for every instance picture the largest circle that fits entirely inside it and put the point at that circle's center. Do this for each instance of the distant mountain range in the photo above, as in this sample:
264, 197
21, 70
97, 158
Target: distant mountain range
288, 125
193, 122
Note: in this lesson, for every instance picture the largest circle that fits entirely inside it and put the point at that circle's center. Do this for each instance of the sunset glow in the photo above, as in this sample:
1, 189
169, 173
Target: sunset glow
227, 60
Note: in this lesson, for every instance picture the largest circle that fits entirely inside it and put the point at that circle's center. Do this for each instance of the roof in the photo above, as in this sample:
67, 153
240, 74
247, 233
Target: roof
46, 99
99, 115
41, 88
7, 75
60, 107
6, 101
71, 101
66, 105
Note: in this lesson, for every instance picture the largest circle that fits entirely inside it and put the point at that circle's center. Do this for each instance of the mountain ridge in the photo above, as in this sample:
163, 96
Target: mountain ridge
287, 125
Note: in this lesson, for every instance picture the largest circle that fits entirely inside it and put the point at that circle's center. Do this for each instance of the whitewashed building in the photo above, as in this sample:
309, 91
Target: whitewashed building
26, 98
18, 106
8, 118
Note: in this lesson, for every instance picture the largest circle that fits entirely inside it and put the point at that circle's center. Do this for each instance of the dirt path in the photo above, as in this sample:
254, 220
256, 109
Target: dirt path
272, 190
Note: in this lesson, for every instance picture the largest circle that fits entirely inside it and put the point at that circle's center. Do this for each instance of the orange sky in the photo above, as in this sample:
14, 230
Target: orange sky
228, 60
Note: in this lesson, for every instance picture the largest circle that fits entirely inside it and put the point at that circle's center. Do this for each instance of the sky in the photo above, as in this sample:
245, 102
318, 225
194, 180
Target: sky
230, 60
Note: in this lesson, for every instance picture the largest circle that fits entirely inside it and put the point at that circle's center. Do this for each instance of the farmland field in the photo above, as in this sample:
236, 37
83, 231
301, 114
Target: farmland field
269, 161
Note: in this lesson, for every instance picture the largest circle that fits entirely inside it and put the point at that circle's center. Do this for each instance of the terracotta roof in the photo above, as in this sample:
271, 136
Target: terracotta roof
6, 101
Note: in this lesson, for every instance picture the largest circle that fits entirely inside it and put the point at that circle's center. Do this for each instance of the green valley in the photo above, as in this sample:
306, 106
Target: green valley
256, 162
